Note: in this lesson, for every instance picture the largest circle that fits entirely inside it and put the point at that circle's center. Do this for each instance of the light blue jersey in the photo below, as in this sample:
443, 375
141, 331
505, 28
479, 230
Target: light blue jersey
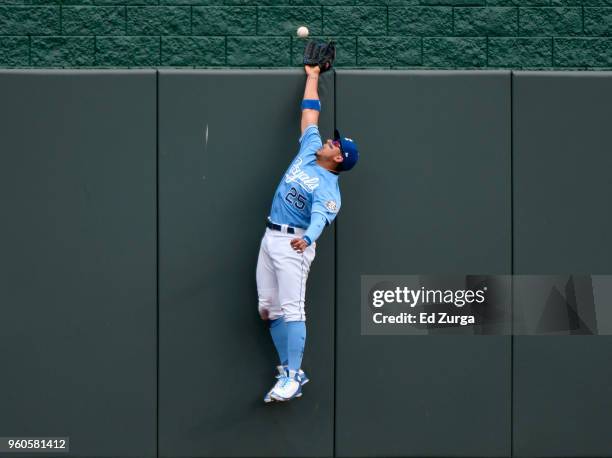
306, 188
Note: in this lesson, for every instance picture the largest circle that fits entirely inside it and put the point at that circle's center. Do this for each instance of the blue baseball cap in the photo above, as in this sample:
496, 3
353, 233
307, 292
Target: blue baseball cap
349, 151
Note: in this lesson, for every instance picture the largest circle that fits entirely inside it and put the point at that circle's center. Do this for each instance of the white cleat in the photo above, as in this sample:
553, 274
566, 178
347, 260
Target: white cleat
281, 373
301, 374
287, 387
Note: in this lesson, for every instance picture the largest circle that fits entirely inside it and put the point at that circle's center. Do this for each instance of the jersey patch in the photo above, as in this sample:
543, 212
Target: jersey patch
331, 206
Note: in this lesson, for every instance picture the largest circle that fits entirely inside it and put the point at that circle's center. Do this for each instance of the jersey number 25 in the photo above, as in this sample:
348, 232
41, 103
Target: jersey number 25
294, 198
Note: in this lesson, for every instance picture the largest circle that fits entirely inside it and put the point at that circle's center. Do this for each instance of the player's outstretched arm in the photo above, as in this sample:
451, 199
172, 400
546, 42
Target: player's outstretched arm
311, 92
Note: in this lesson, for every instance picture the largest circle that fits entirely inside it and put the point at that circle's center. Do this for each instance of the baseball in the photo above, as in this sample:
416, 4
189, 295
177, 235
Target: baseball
302, 32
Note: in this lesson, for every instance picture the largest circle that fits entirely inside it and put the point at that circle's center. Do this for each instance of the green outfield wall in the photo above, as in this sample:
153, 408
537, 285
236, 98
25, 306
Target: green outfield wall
520, 34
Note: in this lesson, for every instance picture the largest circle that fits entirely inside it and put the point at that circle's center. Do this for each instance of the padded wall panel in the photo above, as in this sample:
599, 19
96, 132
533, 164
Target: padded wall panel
78, 259
225, 139
562, 225
430, 195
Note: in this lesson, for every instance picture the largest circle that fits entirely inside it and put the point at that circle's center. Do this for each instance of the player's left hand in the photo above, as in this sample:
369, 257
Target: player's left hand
299, 245
312, 69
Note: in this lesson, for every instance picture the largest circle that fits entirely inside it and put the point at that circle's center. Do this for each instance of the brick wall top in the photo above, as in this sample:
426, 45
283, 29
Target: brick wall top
519, 34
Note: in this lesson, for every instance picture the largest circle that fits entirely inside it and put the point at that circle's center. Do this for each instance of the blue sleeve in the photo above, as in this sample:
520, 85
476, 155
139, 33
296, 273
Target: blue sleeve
326, 203
317, 224
310, 141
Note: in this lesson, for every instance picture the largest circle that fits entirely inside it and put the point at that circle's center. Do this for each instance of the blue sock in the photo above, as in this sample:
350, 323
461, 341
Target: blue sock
278, 331
296, 333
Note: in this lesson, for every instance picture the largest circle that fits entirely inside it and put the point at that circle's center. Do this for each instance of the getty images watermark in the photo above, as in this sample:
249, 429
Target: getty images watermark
486, 304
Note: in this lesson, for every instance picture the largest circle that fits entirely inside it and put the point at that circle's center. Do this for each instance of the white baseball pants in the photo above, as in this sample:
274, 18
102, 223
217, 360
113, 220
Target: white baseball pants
281, 275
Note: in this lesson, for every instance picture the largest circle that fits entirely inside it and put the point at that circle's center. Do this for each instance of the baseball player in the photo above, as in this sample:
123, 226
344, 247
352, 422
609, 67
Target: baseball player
306, 200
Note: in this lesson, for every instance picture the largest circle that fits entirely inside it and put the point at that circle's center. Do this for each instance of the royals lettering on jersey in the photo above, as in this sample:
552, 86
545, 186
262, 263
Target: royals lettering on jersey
295, 174
306, 187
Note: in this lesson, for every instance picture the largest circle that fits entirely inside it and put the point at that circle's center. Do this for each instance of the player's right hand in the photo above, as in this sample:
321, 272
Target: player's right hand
299, 245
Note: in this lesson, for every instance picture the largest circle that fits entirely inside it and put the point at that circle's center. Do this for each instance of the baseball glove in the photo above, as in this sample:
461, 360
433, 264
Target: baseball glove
320, 53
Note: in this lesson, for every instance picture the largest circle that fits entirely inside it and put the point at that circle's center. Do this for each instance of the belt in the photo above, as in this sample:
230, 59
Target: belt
278, 227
